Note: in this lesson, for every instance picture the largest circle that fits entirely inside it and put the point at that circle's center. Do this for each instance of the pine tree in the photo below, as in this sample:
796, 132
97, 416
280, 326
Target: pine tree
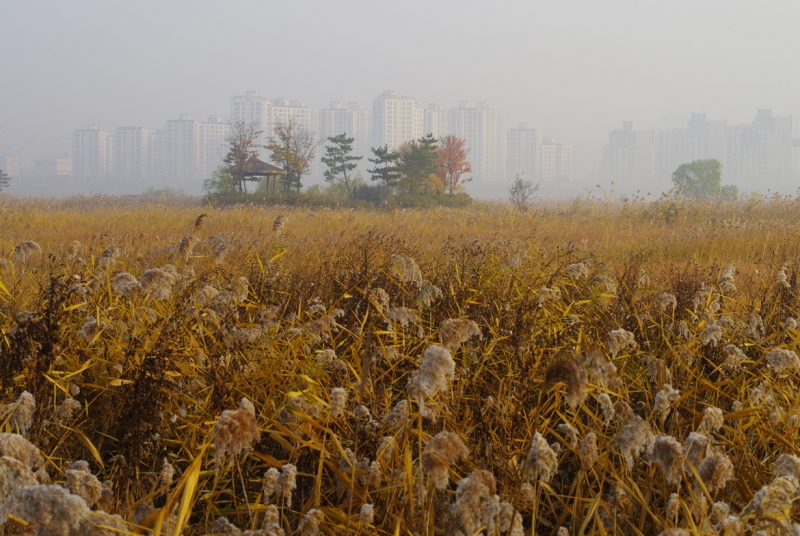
385, 166
340, 161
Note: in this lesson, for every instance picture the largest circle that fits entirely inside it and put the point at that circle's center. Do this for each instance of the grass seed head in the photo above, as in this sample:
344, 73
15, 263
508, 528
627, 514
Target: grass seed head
22, 412
440, 451
398, 416
542, 462
456, 331
14, 475
664, 399
435, 369
288, 482
338, 401
635, 437
712, 419
607, 407
473, 497
599, 366
668, 453
620, 340
309, 525
589, 449
716, 470
367, 514
24, 250
567, 371
50, 509
781, 358
787, 465
570, 434
696, 446
407, 269
81, 482
66, 409
271, 484
235, 431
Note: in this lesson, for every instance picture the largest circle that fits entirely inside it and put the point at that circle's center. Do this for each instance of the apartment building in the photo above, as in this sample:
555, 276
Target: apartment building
352, 120
629, 155
483, 130
524, 153
396, 119
92, 153
556, 161
131, 146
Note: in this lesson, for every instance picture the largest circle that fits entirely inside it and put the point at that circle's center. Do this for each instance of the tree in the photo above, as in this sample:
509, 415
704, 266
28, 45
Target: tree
385, 166
417, 163
242, 146
292, 148
221, 182
452, 162
5, 180
521, 192
340, 162
698, 179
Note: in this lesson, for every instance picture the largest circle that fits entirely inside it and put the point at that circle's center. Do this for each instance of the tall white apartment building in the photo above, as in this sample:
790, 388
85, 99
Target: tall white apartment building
181, 149
700, 140
353, 121
629, 155
252, 108
304, 117
92, 153
483, 130
193, 150
155, 155
556, 161
396, 119
283, 110
524, 153
761, 152
435, 121
131, 145
9, 165
213, 145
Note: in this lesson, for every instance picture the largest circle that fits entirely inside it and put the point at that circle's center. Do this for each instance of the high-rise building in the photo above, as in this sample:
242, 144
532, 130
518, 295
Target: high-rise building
305, 118
131, 146
213, 144
396, 119
700, 140
524, 153
193, 150
629, 155
435, 121
252, 108
155, 155
760, 152
482, 128
181, 149
353, 121
92, 153
9, 165
556, 161
53, 166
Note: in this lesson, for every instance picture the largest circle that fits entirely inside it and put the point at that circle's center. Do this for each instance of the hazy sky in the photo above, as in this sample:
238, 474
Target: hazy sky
574, 69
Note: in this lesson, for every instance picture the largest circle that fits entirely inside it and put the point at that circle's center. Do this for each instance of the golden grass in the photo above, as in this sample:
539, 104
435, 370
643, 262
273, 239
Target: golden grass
319, 309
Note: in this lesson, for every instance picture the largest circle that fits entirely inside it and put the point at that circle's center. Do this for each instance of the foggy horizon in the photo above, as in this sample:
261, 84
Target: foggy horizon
573, 71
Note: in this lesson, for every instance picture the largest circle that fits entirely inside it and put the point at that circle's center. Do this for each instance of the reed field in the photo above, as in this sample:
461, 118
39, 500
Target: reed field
591, 366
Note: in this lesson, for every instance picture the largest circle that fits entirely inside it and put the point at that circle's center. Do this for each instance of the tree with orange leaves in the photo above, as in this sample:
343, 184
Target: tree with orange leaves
452, 163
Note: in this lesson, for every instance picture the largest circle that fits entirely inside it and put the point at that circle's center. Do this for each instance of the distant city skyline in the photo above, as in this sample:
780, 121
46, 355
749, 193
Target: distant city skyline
186, 151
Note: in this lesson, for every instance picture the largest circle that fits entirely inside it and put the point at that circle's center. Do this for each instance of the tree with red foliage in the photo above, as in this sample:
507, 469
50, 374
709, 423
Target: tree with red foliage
452, 163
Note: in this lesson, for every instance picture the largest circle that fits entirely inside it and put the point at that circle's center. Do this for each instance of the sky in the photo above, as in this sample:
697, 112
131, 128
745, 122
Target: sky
574, 69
